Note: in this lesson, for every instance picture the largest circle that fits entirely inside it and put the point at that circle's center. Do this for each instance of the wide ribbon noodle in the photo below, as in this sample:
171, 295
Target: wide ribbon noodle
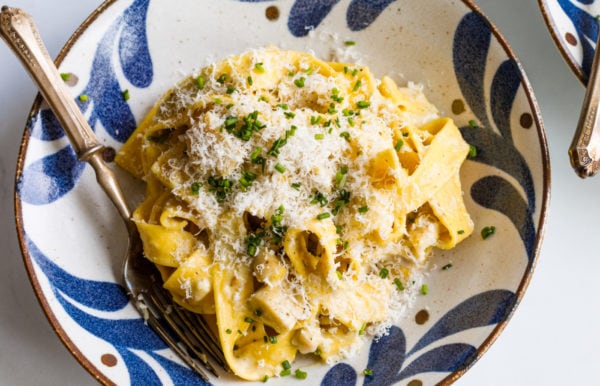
292, 199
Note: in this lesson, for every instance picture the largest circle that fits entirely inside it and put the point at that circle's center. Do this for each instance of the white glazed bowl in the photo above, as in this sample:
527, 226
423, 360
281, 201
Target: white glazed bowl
73, 241
573, 24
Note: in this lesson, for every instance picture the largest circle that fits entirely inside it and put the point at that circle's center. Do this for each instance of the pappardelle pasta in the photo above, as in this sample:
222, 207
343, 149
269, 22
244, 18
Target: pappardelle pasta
292, 199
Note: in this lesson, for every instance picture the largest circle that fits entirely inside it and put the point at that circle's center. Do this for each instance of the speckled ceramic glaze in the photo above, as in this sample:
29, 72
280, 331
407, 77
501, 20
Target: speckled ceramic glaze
573, 25
73, 240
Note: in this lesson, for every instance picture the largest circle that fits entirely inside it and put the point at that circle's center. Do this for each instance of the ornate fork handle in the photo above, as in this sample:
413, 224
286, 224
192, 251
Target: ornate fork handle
584, 151
20, 34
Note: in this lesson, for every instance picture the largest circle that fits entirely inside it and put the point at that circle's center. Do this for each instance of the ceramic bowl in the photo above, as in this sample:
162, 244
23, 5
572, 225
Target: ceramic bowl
73, 240
574, 27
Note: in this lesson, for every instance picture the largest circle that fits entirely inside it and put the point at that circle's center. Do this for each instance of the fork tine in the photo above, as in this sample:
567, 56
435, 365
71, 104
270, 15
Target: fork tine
165, 305
201, 334
154, 318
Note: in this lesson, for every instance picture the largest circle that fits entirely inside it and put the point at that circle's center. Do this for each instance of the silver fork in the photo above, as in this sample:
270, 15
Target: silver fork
184, 332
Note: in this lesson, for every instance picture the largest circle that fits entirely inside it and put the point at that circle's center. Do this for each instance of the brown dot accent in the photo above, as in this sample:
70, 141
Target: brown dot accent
458, 106
109, 360
526, 120
422, 317
272, 13
108, 154
571, 39
415, 382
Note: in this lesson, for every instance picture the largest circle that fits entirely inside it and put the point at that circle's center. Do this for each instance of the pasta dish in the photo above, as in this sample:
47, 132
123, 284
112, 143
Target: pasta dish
294, 199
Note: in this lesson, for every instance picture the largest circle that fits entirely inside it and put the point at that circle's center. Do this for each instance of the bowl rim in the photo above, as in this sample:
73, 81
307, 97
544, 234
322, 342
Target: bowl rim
558, 42
64, 336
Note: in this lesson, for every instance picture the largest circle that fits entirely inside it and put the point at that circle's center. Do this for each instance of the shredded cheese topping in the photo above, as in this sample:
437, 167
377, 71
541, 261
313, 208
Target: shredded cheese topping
293, 198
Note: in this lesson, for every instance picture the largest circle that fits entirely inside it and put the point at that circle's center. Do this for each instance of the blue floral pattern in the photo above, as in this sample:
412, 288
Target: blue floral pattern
48, 179
586, 26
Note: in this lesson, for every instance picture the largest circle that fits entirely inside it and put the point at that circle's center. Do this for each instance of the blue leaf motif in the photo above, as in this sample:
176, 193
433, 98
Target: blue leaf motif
483, 309
140, 373
587, 30
386, 357
98, 295
308, 14
496, 193
48, 179
341, 374
505, 85
447, 358
45, 127
180, 375
133, 46
496, 151
124, 334
361, 13
471, 44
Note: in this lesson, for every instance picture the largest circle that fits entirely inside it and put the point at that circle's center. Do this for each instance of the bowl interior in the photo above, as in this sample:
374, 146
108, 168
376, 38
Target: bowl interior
73, 240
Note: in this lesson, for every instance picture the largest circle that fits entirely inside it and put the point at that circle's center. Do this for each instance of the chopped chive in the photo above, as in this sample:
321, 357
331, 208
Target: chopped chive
472, 151
368, 372
273, 339
319, 136
351, 121
300, 374
250, 81
286, 365
217, 101
265, 379
285, 372
383, 273
315, 120
295, 185
230, 90
222, 78
195, 187
473, 123
65, 76
362, 329
447, 267
424, 289
323, 216
308, 71
363, 209
248, 319
280, 168
398, 145
262, 98
289, 114
487, 232
84, 97
355, 72
340, 276
460, 231
200, 82
363, 104
399, 284
259, 68
357, 85
125, 94
345, 135
346, 69
283, 106
300, 82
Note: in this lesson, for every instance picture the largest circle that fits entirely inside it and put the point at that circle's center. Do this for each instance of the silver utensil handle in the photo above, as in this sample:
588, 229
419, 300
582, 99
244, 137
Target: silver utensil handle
19, 32
584, 151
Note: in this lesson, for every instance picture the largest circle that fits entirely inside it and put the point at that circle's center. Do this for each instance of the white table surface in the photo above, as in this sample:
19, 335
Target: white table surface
553, 337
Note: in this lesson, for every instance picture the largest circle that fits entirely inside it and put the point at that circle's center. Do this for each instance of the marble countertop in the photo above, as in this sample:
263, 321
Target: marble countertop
552, 338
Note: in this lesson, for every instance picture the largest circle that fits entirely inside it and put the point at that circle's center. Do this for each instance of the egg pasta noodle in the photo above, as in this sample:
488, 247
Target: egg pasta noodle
290, 200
